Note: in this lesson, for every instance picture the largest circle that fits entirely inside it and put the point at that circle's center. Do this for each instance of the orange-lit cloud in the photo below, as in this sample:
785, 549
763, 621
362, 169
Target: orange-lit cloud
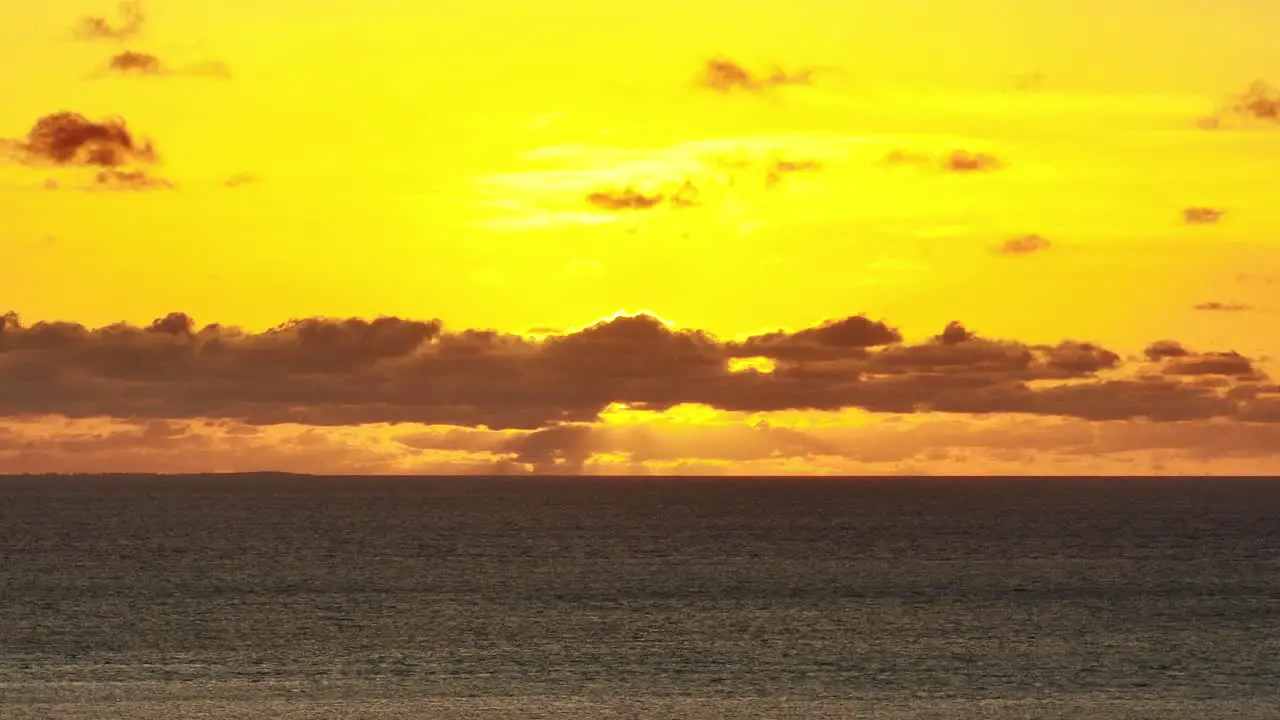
339, 372
96, 27
1258, 104
724, 75
957, 161
240, 179
1025, 245
130, 62
962, 161
629, 198
1202, 215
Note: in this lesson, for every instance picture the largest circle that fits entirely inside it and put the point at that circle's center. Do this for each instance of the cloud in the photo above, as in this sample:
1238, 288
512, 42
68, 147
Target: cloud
1024, 245
645, 444
1202, 215
629, 198
1259, 103
113, 179
1221, 307
132, 19
690, 192
957, 161
68, 138
240, 179
135, 62
962, 161
724, 75
778, 168
130, 62
327, 372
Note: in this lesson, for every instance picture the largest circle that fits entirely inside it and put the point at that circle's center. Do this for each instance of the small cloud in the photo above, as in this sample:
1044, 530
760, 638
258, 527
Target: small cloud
130, 62
114, 179
629, 198
774, 168
962, 161
67, 138
904, 157
724, 75
135, 62
132, 18
1260, 102
240, 179
1201, 215
1222, 307
1024, 245
958, 161
778, 169
1163, 349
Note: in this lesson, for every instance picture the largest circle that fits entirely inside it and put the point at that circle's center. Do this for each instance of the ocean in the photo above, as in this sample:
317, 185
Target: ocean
287, 597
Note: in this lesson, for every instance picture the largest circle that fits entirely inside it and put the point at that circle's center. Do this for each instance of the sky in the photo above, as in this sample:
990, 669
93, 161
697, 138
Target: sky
699, 237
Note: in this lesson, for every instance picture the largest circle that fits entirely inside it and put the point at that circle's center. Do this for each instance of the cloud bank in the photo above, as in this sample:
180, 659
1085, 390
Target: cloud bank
329, 372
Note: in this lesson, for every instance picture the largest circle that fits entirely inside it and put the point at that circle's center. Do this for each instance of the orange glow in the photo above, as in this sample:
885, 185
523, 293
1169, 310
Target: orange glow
541, 169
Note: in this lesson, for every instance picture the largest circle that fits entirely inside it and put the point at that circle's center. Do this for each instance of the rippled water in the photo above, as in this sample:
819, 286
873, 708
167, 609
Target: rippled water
283, 597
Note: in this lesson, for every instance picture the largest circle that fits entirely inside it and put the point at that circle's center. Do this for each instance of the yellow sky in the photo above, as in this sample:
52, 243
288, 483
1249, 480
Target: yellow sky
432, 159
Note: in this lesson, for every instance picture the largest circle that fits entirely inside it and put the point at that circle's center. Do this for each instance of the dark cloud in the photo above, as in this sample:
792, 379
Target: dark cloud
1163, 349
67, 138
724, 75
629, 198
1201, 215
132, 19
336, 372
1221, 307
1024, 245
1231, 364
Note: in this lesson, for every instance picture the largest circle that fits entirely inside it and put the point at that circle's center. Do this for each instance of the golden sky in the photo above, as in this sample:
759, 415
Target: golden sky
710, 237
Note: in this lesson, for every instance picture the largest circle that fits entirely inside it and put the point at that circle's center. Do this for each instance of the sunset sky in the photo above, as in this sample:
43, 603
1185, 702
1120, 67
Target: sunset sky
694, 237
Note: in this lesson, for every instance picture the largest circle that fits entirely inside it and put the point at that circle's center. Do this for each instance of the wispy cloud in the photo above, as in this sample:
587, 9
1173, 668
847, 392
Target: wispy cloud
956, 161
114, 179
1222, 307
724, 75
96, 27
130, 62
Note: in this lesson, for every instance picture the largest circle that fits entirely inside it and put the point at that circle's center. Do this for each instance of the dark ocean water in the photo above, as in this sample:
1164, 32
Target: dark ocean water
283, 597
